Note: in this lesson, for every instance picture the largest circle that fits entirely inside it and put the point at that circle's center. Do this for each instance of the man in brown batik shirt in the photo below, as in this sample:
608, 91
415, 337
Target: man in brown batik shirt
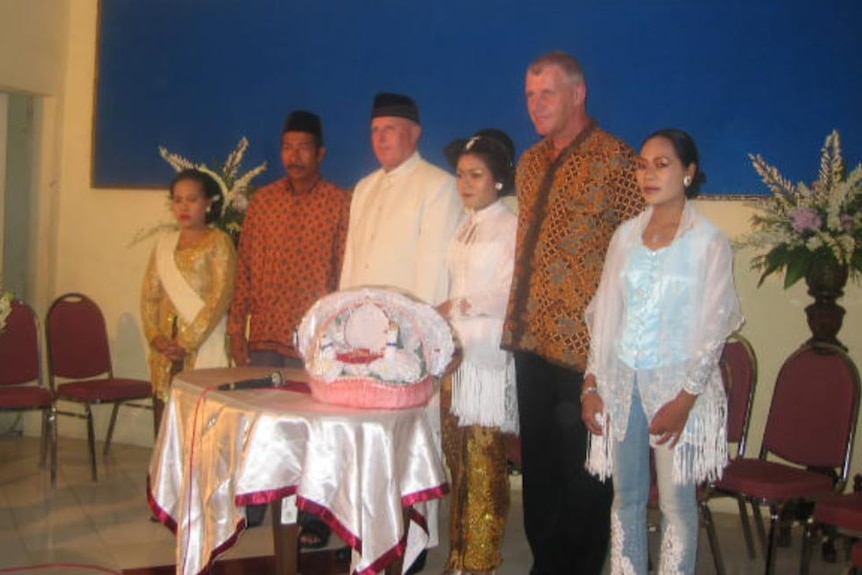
574, 188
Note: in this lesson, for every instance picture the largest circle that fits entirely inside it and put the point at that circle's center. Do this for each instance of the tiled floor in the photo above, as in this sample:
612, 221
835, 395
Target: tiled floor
107, 524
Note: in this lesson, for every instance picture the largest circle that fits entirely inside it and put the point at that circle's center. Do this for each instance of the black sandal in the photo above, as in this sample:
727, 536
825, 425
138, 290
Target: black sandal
315, 529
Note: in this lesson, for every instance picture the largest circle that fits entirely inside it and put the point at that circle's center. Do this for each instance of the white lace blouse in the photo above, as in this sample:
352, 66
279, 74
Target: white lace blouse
480, 260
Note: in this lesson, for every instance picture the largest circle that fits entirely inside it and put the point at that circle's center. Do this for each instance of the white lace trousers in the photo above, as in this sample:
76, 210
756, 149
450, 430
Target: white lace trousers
678, 503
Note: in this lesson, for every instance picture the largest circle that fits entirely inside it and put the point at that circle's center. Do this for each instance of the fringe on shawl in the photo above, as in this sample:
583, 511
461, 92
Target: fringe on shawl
706, 456
485, 396
600, 452
704, 460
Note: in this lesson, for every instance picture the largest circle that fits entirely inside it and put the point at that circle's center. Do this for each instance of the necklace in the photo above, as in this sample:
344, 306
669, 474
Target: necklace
192, 238
660, 234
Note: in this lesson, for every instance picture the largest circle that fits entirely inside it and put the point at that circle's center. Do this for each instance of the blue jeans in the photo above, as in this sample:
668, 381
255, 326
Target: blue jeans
678, 504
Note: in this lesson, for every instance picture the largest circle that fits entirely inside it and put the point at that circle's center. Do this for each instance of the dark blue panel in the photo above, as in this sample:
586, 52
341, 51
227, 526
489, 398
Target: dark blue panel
768, 76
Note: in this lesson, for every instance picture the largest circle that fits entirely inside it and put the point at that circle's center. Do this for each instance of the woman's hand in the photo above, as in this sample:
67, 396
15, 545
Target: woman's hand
445, 308
670, 419
169, 349
452, 307
592, 407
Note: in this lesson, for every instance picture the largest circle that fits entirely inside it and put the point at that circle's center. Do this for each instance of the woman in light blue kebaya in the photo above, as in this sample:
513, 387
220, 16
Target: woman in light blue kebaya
664, 307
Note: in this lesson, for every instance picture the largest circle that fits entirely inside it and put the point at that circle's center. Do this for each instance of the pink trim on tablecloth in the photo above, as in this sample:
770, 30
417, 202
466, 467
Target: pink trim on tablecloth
261, 497
418, 518
162, 515
228, 543
425, 495
171, 524
326, 515
380, 563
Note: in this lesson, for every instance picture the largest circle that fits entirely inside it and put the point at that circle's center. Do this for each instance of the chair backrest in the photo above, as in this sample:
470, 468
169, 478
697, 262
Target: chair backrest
812, 417
739, 370
19, 346
77, 339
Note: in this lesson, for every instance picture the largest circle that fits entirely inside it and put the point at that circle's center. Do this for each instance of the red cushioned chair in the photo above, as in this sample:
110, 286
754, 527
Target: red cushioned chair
844, 513
739, 371
21, 385
811, 424
856, 555
78, 350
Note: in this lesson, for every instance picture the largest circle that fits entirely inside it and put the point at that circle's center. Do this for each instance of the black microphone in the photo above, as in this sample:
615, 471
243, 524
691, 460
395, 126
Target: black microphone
274, 379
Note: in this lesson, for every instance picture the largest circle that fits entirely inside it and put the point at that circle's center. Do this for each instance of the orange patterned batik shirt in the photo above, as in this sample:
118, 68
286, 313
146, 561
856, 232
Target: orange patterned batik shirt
565, 223
290, 255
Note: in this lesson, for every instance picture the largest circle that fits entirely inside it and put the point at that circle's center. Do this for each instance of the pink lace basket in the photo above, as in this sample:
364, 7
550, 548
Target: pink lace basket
374, 348
371, 393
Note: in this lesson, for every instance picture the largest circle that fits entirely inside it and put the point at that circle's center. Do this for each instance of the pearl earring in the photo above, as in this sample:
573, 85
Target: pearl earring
498, 186
686, 181
209, 209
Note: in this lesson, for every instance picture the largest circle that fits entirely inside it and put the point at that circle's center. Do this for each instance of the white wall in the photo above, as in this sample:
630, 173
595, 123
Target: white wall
93, 229
33, 45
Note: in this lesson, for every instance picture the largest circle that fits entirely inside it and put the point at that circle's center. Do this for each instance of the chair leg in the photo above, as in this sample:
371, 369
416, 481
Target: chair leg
43, 439
761, 532
712, 536
91, 440
805, 554
52, 439
48, 442
774, 516
158, 412
746, 527
111, 429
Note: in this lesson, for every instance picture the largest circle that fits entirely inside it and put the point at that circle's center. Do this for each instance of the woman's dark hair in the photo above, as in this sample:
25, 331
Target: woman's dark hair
210, 187
495, 148
686, 151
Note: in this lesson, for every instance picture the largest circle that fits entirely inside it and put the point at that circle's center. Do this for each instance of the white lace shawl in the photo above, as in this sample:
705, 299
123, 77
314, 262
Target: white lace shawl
698, 310
481, 259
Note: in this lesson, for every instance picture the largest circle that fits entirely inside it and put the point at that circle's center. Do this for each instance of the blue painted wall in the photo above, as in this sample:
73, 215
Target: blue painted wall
767, 76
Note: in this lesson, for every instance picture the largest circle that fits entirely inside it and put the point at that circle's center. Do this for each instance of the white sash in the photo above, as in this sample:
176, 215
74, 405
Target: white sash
188, 303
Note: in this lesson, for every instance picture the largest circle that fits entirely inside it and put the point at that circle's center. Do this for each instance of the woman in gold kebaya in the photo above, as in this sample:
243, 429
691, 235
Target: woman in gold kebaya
188, 286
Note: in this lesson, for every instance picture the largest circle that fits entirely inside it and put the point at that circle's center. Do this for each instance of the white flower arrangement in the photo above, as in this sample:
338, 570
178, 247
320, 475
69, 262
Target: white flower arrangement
235, 187
800, 226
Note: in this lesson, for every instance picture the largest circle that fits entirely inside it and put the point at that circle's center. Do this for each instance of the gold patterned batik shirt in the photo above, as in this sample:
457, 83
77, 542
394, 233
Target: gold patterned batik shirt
565, 223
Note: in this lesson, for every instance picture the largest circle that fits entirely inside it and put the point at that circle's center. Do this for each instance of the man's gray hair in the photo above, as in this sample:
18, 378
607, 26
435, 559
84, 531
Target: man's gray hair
571, 68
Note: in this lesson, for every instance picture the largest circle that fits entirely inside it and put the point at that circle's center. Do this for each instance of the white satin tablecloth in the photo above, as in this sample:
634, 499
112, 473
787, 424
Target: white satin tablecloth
218, 451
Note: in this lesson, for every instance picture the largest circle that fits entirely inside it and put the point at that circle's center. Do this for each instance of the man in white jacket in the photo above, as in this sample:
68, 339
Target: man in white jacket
402, 217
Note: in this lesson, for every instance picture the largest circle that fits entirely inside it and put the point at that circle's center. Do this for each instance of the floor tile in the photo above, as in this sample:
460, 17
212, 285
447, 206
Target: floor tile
106, 523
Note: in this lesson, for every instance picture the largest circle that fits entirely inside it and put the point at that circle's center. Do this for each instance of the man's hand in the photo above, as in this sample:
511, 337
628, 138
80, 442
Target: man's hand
239, 350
